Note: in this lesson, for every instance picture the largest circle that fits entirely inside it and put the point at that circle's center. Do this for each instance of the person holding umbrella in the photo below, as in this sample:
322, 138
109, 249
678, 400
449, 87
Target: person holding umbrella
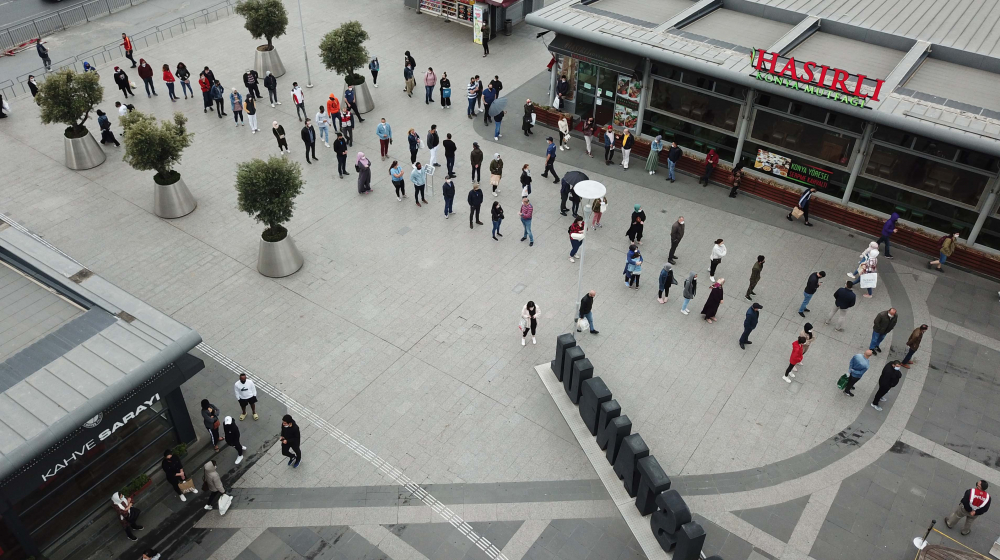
569, 180
495, 110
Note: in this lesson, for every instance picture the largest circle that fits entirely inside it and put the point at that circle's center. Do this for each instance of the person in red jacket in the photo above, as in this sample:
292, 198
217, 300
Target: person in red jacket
206, 91
127, 45
711, 160
333, 110
795, 359
168, 77
146, 73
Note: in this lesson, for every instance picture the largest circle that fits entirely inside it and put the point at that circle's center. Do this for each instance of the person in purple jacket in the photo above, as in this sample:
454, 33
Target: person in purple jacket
887, 230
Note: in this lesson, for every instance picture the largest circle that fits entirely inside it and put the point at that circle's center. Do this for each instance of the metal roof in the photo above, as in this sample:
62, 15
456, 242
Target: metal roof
739, 28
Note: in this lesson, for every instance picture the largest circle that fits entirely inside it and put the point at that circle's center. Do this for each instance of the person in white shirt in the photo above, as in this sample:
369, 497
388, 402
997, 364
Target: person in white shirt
299, 99
322, 121
246, 393
122, 110
718, 251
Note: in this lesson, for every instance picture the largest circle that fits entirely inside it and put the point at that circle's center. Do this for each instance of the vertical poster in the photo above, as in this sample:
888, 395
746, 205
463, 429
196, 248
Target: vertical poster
626, 113
477, 24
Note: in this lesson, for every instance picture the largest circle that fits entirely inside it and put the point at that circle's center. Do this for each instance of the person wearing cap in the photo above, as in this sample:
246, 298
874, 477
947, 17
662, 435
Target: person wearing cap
550, 159
750, 323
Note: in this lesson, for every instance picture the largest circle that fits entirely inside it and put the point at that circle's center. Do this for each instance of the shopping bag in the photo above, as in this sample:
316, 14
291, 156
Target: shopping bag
869, 279
583, 324
797, 212
446, 92
6, 107
224, 503
522, 324
842, 382
131, 84
186, 486
533, 117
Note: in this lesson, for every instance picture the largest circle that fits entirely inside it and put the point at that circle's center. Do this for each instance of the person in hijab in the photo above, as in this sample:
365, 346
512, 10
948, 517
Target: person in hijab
653, 161
806, 333
873, 246
279, 134
128, 515
711, 160
714, 301
871, 265
174, 470
737, 179
529, 321
634, 232
363, 167
214, 483
526, 121
634, 269
231, 433
690, 290
496, 171
666, 280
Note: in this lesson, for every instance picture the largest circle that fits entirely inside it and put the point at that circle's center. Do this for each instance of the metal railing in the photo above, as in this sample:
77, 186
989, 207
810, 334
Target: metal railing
100, 56
59, 20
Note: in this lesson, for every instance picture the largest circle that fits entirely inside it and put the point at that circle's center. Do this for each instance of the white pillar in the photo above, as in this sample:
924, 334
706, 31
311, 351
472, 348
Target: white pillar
983, 214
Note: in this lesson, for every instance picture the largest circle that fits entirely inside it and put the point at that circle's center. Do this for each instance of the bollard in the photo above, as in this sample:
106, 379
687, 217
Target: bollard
563, 343
690, 540
652, 482
618, 431
627, 466
668, 519
609, 411
572, 354
582, 371
592, 394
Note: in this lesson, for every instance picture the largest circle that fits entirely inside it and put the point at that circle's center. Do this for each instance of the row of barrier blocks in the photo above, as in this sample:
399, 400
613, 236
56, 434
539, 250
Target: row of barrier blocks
643, 478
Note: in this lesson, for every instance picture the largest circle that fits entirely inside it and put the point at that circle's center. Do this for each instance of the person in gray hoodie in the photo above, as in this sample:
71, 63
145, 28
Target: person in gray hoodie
690, 290
213, 482
213, 421
666, 280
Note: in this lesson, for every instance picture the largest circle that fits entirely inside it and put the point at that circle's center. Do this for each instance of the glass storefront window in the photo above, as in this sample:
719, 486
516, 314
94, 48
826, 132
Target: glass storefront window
937, 149
806, 139
925, 174
694, 105
689, 135
913, 207
810, 112
836, 187
989, 236
699, 81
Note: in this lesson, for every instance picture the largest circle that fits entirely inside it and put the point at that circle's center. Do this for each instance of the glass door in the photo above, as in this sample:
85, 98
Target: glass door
586, 89
607, 81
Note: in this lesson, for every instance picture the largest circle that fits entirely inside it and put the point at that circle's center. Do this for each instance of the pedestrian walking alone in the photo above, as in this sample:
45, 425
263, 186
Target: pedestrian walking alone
308, 134
755, 271
843, 299
33, 85
396, 175
666, 280
496, 214
676, 234
236, 104
496, 172
576, 237
975, 502
855, 369
635, 227
174, 471
587, 311
128, 47
419, 179
673, 156
883, 325
628, 140
526, 212
497, 121
364, 168
373, 67
213, 483
889, 378
802, 206
711, 307
690, 290
711, 160
475, 200
550, 160
124, 84
795, 359
146, 73
279, 135
737, 179
476, 158
448, 193
43, 53
599, 207
290, 439
946, 246
718, 251
340, 148
529, 322
813, 283
231, 433
384, 133
750, 323
413, 139
653, 159
246, 394
888, 229
486, 39
873, 246
271, 84
104, 123
212, 419
128, 515
168, 78
912, 344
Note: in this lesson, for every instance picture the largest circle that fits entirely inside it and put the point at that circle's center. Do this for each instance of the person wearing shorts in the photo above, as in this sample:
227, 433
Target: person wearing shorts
246, 394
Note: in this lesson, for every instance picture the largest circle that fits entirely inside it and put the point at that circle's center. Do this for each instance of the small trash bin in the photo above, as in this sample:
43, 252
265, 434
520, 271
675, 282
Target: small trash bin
508, 27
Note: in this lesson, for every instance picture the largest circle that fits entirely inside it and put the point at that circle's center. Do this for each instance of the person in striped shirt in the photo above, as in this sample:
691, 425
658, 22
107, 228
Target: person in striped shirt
473, 90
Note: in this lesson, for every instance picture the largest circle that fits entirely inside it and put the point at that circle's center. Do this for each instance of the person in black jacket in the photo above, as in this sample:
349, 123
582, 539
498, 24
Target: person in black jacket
575, 200
496, 214
448, 191
271, 83
213, 420
526, 122
673, 156
340, 148
844, 299
475, 201
122, 81
279, 135
563, 197
750, 323
449, 156
250, 79
587, 310
526, 182
811, 285
433, 139
975, 502
290, 440
445, 85
174, 470
887, 380
231, 433
309, 139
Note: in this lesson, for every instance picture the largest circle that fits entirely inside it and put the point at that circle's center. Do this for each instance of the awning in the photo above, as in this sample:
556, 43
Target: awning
602, 56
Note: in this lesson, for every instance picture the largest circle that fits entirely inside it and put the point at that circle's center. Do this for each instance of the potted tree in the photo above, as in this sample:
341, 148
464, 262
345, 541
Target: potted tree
268, 19
266, 190
67, 98
152, 145
342, 50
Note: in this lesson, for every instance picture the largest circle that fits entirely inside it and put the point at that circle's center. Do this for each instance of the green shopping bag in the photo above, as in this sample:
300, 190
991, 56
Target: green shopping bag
842, 382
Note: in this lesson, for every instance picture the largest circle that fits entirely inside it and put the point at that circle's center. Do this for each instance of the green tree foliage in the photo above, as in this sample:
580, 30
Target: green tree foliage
266, 191
153, 145
342, 50
265, 18
68, 98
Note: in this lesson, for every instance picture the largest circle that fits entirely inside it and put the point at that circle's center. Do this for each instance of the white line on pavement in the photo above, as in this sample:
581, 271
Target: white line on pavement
387, 541
810, 522
526, 535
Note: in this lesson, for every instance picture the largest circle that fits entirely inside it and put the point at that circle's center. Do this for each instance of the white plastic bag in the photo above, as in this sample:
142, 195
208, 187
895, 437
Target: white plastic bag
225, 501
869, 280
583, 324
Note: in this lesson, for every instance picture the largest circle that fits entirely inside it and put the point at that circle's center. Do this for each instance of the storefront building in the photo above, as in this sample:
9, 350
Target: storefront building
496, 14
906, 121
90, 380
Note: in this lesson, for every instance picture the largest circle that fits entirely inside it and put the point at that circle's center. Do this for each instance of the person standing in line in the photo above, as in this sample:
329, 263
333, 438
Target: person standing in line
912, 344
497, 84
475, 200
279, 135
433, 140
408, 60
472, 91
250, 105
206, 92
634, 232
609, 145
414, 141
526, 212
843, 299
870, 266
214, 484
711, 160
218, 95
750, 323
807, 332
445, 91
146, 73
527, 120
309, 139
563, 126
633, 250
529, 322
887, 380
364, 168
883, 325
299, 99
887, 230
812, 284
373, 67
250, 79
209, 74
690, 290
410, 82
211, 416
496, 214
340, 148
634, 268
873, 246
486, 39
550, 159
587, 311
803, 205
479, 93
858, 366
290, 439
477, 163
450, 148
589, 127
169, 79
563, 197
246, 394
576, 199
236, 104
497, 121
43, 53
666, 280
737, 179
711, 307
718, 251
673, 156
33, 85
448, 193
562, 91
974, 504
350, 99
628, 140
184, 75
322, 121
347, 124
271, 85
104, 123
576, 237
598, 209
653, 159
396, 174
121, 79
496, 171
945, 250
128, 514
127, 45
489, 96
384, 133
430, 80
419, 179
758, 267
795, 359
231, 433
174, 470
676, 234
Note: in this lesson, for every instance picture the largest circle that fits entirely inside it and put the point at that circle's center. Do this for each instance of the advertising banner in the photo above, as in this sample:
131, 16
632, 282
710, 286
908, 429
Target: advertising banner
477, 24
784, 166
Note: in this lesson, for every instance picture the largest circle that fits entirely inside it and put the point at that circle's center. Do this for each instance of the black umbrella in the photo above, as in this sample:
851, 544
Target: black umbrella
573, 177
499, 104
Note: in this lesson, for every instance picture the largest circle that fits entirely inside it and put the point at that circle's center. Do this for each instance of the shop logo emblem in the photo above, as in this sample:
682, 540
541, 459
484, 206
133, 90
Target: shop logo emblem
95, 421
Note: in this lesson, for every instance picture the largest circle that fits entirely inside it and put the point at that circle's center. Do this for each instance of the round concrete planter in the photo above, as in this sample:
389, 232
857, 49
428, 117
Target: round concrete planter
83, 152
268, 60
279, 259
363, 97
173, 201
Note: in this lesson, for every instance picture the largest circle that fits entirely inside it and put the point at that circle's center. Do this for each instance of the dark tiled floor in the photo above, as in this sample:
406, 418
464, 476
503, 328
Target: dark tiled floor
727, 545
968, 301
312, 543
441, 540
778, 520
201, 543
585, 539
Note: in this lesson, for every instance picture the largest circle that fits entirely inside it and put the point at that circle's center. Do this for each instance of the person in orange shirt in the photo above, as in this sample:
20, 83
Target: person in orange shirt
127, 44
333, 109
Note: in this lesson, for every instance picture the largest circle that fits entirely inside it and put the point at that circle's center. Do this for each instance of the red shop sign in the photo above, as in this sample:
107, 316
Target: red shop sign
813, 73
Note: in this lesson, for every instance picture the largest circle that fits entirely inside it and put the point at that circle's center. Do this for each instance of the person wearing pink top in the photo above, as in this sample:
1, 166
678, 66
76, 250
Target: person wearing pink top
430, 80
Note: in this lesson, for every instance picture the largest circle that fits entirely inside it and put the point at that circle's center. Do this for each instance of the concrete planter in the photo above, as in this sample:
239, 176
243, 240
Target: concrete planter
83, 152
279, 259
268, 60
173, 201
363, 97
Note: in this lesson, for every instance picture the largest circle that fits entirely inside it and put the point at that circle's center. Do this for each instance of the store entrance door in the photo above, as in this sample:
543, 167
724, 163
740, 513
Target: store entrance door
607, 80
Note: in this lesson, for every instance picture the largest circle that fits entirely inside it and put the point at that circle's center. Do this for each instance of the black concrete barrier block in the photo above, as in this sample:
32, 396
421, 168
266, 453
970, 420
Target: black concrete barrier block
609, 411
563, 342
618, 431
690, 540
627, 465
715, 557
593, 392
582, 371
667, 521
572, 354
652, 482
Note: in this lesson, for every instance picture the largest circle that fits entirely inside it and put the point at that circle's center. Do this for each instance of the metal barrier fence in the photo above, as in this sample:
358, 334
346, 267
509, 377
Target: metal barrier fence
100, 56
61, 19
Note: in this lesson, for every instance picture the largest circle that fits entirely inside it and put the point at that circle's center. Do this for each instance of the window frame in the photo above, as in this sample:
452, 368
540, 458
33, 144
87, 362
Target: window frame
742, 105
854, 149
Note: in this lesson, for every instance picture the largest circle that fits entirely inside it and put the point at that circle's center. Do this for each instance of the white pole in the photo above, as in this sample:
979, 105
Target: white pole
304, 51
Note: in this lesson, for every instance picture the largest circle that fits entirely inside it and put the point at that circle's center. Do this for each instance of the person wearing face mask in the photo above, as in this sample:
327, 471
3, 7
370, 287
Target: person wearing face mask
676, 234
947, 247
146, 73
887, 380
496, 171
279, 134
529, 321
123, 83
525, 181
33, 86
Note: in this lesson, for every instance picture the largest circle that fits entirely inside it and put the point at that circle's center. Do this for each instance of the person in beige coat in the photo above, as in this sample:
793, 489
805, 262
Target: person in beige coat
808, 334
213, 484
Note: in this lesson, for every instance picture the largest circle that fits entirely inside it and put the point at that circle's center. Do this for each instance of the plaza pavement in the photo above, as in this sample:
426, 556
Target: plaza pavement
398, 329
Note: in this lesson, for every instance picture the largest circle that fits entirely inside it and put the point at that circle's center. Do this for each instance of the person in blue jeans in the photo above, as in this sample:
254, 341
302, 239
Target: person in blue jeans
496, 131
587, 310
812, 284
884, 323
673, 156
526, 213
550, 159
496, 213
448, 191
473, 94
887, 230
